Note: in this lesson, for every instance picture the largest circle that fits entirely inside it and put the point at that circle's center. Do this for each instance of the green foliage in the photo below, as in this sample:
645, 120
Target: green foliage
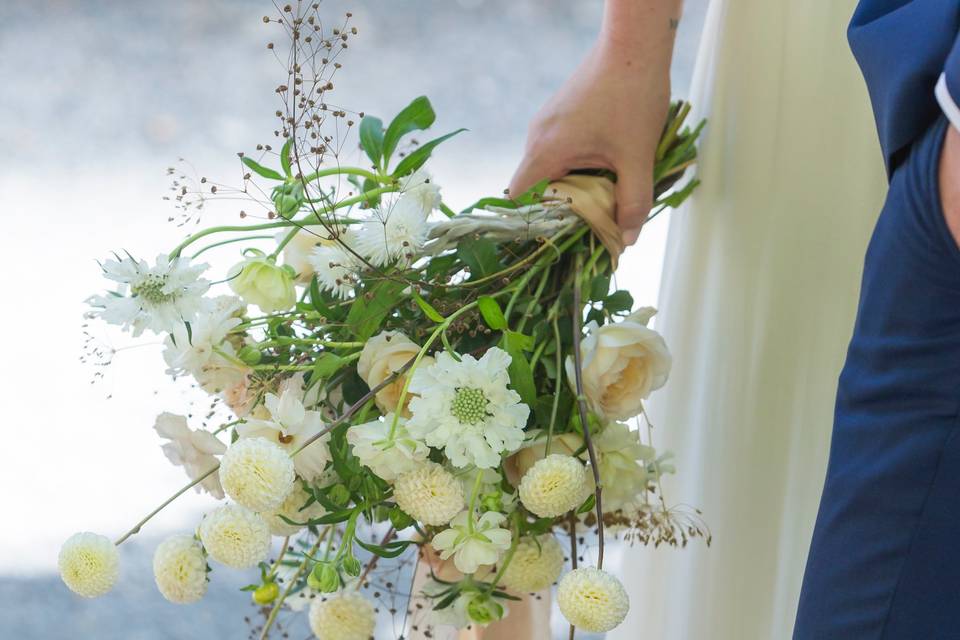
419, 156
480, 255
371, 138
372, 306
418, 115
261, 170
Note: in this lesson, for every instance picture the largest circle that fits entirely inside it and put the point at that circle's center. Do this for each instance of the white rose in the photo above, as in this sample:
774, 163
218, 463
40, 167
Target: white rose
261, 281
622, 364
382, 356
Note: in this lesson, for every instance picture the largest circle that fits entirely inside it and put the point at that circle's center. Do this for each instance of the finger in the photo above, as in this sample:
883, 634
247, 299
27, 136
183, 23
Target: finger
532, 170
634, 199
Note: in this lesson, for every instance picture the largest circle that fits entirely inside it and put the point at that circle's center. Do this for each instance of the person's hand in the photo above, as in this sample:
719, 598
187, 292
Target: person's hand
609, 115
950, 181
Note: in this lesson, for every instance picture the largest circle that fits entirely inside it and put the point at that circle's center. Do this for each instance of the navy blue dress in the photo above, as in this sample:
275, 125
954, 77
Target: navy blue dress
884, 562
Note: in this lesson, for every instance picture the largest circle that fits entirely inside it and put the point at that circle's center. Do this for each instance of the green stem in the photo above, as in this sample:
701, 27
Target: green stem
355, 171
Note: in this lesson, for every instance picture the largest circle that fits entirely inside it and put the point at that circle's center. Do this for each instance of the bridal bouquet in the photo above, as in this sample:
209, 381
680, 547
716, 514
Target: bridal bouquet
394, 381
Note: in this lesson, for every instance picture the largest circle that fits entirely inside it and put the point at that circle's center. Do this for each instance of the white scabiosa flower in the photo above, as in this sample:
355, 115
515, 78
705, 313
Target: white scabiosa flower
592, 600
257, 473
554, 485
335, 267
344, 616
536, 564
396, 232
294, 508
180, 569
429, 494
235, 536
194, 450
467, 409
89, 564
387, 455
157, 298
291, 425
475, 543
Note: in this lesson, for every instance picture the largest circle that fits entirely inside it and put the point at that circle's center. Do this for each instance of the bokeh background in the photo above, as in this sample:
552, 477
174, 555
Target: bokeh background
97, 99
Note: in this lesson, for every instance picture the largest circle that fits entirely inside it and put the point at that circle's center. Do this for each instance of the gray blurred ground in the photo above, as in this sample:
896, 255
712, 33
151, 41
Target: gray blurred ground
93, 87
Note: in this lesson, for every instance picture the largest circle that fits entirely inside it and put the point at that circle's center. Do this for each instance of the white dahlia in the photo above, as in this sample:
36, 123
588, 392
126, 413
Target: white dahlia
429, 494
554, 485
420, 186
344, 616
335, 267
592, 600
235, 536
397, 231
180, 569
157, 298
293, 508
467, 409
194, 450
473, 542
387, 455
89, 564
536, 564
257, 473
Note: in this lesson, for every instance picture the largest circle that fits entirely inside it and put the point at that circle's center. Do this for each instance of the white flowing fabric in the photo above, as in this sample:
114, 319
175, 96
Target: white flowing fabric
758, 299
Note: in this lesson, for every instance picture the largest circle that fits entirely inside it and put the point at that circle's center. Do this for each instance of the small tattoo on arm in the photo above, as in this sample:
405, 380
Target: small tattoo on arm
674, 23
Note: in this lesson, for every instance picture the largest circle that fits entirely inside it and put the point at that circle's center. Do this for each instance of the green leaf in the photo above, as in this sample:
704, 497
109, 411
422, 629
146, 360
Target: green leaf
427, 308
534, 193
285, 157
420, 155
521, 375
599, 287
520, 340
492, 313
325, 366
483, 203
587, 504
618, 301
371, 308
260, 169
415, 116
388, 550
371, 138
480, 255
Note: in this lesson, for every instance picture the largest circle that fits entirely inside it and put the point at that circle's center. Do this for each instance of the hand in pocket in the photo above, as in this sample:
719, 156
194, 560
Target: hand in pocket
950, 181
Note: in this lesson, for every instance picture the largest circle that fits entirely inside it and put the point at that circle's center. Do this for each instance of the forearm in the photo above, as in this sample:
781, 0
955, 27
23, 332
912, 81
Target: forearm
641, 31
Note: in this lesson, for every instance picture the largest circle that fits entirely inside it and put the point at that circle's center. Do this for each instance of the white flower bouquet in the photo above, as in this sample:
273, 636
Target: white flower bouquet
400, 376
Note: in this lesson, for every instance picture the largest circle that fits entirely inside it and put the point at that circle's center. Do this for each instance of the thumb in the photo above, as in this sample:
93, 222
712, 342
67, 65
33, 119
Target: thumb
534, 169
634, 199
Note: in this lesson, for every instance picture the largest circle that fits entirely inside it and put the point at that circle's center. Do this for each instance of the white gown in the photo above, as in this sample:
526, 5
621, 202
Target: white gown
758, 299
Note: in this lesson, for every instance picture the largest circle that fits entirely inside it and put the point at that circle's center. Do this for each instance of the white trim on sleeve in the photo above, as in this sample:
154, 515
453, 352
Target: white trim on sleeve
947, 103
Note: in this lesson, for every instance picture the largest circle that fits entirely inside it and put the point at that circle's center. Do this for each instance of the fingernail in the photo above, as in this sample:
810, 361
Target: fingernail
630, 236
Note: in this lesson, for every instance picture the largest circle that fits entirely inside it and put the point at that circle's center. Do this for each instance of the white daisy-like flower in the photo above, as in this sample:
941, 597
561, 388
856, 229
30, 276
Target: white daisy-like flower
473, 542
203, 350
180, 569
291, 425
592, 600
257, 473
235, 536
194, 450
387, 455
624, 465
466, 408
554, 485
89, 564
335, 267
429, 494
397, 231
344, 616
420, 186
294, 508
536, 564
157, 298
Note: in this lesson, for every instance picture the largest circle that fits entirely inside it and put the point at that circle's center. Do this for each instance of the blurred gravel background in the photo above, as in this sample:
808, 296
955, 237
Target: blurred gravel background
99, 97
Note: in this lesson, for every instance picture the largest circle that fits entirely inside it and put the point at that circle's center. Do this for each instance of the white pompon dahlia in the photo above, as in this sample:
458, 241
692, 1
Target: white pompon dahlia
536, 564
420, 186
387, 455
157, 298
257, 473
293, 508
194, 450
344, 616
473, 542
554, 485
89, 564
235, 536
397, 231
592, 600
335, 267
180, 569
202, 350
466, 408
429, 494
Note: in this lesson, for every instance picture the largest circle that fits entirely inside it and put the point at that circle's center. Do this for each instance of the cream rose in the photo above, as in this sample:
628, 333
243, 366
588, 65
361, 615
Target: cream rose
261, 281
382, 356
622, 364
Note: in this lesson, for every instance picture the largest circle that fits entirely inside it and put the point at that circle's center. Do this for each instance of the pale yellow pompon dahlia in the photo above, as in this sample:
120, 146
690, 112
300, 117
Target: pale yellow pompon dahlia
554, 486
257, 474
344, 616
293, 509
89, 564
430, 494
592, 600
180, 569
536, 564
235, 536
